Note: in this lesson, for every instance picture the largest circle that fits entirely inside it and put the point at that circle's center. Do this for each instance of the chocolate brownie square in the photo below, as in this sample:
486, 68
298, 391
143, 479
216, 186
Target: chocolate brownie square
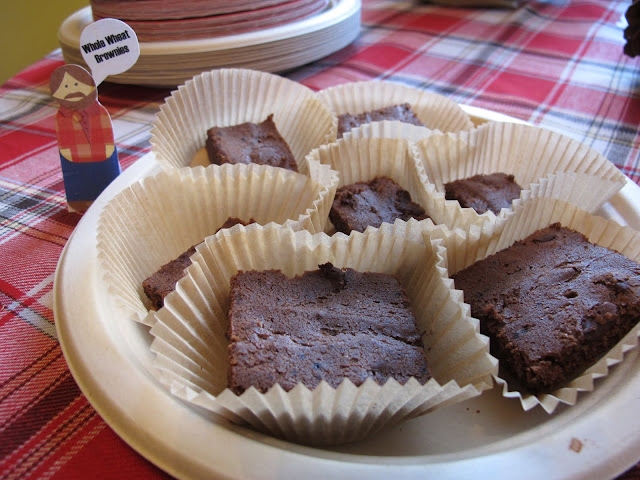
484, 192
163, 281
552, 305
631, 33
250, 143
358, 205
403, 113
327, 324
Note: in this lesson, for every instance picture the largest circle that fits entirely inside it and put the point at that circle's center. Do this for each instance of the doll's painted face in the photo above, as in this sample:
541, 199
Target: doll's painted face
74, 88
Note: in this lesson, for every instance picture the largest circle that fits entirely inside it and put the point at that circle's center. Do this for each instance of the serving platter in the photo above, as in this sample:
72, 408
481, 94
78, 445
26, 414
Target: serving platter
275, 49
111, 361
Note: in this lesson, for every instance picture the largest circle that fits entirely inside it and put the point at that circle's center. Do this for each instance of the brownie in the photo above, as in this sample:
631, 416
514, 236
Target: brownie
250, 143
327, 324
403, 113
493, 192
631, 33
552, 305
358, 205
163, 282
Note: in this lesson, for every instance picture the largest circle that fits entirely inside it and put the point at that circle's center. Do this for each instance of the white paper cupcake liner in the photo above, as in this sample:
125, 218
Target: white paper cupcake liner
390, 129
435, 111
191, 347
465, 248
581, 189
362, 159
479, 3
531, 154
156, 219
227, 97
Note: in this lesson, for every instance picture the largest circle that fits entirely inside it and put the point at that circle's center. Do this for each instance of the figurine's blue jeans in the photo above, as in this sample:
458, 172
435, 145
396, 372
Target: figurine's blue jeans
85, 181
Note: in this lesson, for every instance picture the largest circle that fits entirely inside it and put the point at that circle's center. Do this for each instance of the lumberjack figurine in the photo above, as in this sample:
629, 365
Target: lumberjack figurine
88, 153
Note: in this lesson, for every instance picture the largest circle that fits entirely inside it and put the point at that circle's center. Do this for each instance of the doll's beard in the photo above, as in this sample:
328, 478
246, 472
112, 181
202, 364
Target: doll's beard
79, 104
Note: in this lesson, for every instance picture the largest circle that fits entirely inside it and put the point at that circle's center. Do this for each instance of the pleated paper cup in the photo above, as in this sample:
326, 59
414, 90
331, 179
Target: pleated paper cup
191, 346
581, 189
390, 129
464, 248
362, 159
435, 111
228, 97
156, 219
480, 3
529, 153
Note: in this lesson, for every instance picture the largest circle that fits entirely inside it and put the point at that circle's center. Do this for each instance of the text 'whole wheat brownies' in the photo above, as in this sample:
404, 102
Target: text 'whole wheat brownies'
328, 324
484, 192
249, 142
359, 205
403, 113
552, 305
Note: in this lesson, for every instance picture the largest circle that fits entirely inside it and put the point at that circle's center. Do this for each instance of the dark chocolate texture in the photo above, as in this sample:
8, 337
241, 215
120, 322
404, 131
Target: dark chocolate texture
163, 281
358, 205
249, 142
632, 31
484, 192
552, 305
327, 324
402, 112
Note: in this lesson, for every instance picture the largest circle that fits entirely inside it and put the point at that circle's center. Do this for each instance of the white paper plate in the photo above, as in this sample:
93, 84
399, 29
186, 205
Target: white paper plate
271, 50
109, 357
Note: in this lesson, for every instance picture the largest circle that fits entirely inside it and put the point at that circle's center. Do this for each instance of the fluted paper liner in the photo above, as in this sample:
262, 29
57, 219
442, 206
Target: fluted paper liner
464, 249
479, 3
390, 129
362, 159
191, 346
227, 97
156, 219
435, 111
529, 153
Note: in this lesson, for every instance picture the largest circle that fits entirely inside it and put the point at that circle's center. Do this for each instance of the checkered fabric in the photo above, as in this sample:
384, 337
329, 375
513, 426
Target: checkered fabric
556, 63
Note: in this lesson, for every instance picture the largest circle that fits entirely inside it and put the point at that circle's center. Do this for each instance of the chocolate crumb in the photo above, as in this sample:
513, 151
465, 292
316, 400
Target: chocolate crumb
575, 445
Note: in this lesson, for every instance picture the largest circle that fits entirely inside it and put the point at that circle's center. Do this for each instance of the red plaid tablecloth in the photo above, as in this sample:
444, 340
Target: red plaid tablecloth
555, 63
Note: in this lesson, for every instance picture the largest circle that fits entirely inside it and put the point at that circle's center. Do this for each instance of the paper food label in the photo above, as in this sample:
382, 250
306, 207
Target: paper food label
109, 47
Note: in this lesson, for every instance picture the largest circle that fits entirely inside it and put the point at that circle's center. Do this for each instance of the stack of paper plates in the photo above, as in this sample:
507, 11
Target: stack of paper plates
274, 49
